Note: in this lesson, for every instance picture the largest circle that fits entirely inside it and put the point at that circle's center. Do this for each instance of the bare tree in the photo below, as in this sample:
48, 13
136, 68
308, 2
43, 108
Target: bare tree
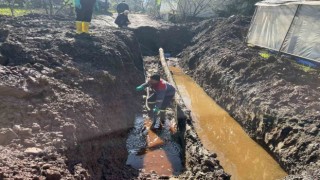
11, 6
151, 7
230, 7
65, 4
193, 8
50, 7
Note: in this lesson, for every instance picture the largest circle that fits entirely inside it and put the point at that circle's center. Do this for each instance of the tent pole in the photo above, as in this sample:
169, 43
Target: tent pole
285, 37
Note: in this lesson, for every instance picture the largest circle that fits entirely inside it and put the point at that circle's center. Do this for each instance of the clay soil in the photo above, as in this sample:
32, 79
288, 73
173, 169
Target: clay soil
67, 103
199, 163
275, 100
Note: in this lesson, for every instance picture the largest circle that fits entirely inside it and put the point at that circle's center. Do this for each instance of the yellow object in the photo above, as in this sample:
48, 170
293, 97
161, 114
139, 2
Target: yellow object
78, 27
85, 27
265, 55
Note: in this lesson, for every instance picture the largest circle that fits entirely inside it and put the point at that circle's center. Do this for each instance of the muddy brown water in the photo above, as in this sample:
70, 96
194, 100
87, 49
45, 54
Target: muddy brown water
240, 156
153, 151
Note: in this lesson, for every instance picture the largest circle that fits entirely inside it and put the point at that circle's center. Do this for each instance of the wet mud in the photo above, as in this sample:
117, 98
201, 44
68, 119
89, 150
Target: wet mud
67, 102
220, 133
198, 162
273, 99
154, 151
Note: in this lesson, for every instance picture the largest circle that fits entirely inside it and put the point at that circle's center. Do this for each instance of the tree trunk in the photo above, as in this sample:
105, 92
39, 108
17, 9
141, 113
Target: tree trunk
11, 6
45, 6
51, 7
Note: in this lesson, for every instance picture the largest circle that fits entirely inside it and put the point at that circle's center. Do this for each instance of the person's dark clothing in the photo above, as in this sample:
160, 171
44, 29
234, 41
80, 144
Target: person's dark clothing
85, 13
122, 7
165, 103
122, 20
163, 93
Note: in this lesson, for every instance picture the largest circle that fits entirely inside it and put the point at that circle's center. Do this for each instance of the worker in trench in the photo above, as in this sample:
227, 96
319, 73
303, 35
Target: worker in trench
84, 10
161, 98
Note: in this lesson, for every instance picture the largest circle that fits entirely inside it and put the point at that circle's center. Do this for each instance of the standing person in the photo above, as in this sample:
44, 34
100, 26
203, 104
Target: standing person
121, 7
84, 10
163, 94
122, 19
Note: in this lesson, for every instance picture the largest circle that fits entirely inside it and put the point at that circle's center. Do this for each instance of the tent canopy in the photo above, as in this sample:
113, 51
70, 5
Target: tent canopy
291, 27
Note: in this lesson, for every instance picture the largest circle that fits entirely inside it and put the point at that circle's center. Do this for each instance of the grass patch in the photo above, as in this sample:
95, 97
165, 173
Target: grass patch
264, 54
306, 69
17, 12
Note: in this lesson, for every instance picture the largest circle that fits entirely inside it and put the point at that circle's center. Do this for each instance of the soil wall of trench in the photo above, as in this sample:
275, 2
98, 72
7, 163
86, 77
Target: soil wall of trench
67, 103
274, 100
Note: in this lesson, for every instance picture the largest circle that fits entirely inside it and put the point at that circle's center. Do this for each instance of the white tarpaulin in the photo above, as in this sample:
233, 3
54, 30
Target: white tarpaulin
304, 35
271, 25
291, 27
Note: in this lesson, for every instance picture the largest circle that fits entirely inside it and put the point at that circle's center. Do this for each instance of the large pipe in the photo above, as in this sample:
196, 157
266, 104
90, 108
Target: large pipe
169, 75
178, 98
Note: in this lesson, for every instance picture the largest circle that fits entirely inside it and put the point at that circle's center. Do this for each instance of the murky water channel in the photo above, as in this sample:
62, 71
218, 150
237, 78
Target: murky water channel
153, 151
242, 157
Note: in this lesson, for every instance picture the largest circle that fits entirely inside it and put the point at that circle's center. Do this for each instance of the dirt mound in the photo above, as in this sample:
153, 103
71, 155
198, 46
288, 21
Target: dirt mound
67, 102
275, 101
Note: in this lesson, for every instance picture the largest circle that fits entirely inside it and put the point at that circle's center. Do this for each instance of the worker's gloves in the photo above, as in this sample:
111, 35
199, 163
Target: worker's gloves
77, 4
156, 110
140, 88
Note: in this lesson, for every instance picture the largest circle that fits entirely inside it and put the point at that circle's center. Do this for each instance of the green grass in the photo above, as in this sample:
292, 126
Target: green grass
264, 55
306, 69
17, 12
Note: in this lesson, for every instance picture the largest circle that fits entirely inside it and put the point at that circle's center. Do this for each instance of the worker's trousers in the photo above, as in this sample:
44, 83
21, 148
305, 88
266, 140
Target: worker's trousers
166, 102
84, 14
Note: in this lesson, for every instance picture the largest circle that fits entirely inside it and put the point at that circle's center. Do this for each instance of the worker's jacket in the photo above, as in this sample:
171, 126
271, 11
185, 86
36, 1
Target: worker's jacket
161, 89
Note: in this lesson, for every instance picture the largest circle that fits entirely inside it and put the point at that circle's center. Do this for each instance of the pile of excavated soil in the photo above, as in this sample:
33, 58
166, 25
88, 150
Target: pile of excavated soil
275, 101
67, 102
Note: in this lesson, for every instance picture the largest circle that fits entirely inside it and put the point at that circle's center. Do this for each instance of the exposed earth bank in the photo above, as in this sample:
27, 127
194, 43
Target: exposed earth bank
67, 102
274, 100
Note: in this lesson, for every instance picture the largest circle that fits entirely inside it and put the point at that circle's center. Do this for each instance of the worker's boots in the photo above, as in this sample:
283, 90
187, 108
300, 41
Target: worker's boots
78, 27
82, 27
85, 27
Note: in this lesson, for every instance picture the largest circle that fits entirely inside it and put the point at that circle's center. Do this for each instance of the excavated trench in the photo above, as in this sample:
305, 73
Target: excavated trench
69, 107
213, 57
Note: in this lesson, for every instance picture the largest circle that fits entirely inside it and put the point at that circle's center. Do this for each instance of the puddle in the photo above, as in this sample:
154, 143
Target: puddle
153, 151
240, 156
